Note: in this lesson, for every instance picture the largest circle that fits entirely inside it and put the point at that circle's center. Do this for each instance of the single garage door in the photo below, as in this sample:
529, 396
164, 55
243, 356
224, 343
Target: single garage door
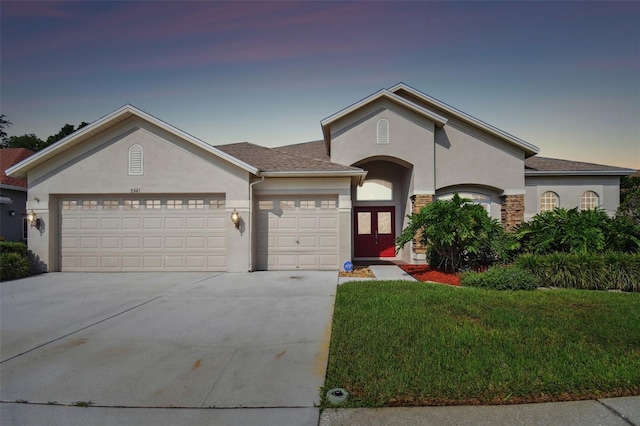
145, 233
297, 233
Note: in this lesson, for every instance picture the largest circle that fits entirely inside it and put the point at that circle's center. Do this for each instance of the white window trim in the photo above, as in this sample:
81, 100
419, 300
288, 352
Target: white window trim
382, 138
132, 171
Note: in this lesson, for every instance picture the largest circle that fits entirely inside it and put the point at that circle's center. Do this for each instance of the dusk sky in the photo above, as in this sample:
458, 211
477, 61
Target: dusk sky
564, 76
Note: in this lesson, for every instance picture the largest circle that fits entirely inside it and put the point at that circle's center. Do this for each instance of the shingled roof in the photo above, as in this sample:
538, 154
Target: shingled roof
281, 159
544, 165
10, 157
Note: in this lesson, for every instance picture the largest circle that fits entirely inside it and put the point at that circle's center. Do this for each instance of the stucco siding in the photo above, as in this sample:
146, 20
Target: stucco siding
411, 138
465, 155
570, 189
100, 165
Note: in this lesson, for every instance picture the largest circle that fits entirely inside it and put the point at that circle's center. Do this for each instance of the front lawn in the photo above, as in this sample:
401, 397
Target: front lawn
396, 343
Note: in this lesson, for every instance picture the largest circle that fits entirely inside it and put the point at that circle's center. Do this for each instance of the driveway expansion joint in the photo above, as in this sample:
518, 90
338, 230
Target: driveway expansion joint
79, 330
618, 414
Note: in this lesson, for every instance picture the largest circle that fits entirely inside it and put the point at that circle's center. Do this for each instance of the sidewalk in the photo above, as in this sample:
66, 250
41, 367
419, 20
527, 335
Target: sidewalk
623, 411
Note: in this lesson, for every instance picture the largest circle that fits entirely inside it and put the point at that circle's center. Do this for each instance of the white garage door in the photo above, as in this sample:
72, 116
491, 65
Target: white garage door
297, 233
145, 233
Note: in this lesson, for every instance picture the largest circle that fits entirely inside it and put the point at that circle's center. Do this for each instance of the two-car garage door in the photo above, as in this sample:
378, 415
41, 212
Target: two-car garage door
136, 233
297, 232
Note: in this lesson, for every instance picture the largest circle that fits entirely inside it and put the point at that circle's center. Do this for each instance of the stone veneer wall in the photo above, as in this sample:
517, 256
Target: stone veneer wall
512, 211
418, 201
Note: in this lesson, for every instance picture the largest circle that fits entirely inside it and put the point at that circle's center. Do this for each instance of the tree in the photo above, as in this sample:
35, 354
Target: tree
630, 198
29, 141
4, 123
457, 234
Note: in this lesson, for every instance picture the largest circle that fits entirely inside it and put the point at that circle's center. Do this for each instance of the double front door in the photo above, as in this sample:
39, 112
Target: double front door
374, 231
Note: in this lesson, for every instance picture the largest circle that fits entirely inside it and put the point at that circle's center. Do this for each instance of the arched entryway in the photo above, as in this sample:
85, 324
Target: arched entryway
380, 205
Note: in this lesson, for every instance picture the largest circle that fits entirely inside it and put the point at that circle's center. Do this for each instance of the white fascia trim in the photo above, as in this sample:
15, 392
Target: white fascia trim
438, 119
126, 111
581, 173
466, 117
425, 192
315, 174
514, 192
13, 187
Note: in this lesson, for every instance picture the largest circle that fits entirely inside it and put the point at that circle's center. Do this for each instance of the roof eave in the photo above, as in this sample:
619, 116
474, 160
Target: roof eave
121, 114
360, 175
326, 123
529, 149
579, 172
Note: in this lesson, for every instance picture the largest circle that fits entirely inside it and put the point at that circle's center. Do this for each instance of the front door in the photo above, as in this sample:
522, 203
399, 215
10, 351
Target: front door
374, 232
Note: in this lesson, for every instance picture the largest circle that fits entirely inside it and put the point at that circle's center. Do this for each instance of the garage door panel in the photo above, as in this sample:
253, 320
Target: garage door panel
195, 242
173, 223
110, 242
153, 237
174, 242
131, 223
152, 242
297, 232
152, 223
110, 262
89, 242
89, 223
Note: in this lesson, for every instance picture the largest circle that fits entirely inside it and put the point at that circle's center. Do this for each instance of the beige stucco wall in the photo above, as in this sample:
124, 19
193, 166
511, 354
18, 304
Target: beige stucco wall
100, 166
354, 138
465, 155
570, 189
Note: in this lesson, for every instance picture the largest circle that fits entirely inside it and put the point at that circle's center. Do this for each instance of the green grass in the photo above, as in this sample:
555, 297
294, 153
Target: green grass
398, 343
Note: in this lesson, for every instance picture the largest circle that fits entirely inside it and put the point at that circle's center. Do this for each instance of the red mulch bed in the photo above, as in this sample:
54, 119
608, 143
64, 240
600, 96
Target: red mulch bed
427, 273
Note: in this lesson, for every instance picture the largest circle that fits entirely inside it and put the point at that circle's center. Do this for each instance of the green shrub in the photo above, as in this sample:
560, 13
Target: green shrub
11, 247
501, 278
578, 231
610, 271
13, 266
457, 235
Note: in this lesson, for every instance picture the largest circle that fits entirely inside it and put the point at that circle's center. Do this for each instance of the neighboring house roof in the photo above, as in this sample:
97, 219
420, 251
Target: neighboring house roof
121, 114
281, 162
552, 166
500, 134
8, 158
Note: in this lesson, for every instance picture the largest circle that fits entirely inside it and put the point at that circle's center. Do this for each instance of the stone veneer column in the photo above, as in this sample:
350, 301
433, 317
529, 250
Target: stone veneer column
418, 201
512, 211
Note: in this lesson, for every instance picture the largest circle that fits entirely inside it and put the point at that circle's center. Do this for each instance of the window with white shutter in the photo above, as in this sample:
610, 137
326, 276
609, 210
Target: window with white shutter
135, 160
383, 131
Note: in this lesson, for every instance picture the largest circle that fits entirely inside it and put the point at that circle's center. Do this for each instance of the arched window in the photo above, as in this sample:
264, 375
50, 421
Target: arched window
135, 161
589, 200
383, 131
375, 190
549, 201
476, 198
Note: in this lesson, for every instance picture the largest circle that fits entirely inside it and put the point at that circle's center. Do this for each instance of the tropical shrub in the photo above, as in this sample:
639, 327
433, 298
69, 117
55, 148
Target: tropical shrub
590, 271
629, 199
13, 266
578, 231
501, 278
457, 235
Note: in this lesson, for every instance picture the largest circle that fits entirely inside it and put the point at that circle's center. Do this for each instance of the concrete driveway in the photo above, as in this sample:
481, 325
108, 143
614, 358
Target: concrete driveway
220, 348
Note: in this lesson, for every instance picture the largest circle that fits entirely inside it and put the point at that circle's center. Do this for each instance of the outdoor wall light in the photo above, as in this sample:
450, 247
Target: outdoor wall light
33, 219
235, 218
